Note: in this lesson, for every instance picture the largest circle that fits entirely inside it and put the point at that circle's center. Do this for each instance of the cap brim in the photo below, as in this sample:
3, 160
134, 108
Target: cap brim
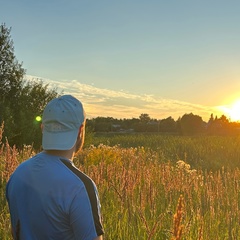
59, 140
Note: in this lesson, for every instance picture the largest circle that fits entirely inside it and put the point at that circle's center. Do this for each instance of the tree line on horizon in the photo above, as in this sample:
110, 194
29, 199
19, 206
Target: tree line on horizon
188, 124
21, 101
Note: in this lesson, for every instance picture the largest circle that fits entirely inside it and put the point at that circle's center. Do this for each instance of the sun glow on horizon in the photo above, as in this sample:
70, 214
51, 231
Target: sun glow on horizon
233, 111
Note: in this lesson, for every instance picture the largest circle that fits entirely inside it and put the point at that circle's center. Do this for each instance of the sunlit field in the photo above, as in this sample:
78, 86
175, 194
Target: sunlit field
155, 187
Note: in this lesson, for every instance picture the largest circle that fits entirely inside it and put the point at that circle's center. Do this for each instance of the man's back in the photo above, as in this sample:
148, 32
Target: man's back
48, 200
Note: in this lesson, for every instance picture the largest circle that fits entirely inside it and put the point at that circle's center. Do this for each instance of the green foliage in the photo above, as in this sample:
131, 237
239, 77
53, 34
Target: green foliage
191, 124
20, 101
11, 71
32, 100
11, 78
167, 125
144, 118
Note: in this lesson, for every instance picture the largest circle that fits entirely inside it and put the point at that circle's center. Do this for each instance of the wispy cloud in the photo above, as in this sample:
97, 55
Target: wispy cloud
119, 104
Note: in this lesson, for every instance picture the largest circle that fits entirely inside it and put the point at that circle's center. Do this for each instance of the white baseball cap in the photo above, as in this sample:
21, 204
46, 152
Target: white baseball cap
62, 118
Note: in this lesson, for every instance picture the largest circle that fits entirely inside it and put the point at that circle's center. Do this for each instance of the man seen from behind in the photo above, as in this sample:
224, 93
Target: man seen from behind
48, 197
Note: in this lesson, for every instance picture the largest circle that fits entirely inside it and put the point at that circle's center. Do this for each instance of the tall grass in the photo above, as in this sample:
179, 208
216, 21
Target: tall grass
205, 152
140, 194
148, 194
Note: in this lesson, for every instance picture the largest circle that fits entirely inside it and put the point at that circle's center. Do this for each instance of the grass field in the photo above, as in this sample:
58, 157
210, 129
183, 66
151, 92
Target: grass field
155, 187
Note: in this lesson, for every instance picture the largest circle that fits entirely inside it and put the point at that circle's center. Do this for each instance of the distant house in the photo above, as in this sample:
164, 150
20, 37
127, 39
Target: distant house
115, 127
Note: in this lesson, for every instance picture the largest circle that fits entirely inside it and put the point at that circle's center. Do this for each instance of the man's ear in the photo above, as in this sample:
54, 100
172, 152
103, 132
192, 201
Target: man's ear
80, 131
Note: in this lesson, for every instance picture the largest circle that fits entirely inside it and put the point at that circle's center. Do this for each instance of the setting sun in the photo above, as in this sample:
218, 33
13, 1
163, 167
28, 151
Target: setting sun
233, 111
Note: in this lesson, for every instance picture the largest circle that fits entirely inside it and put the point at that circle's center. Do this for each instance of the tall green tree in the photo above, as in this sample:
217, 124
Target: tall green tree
20, 101
144, 118
191, 124
11, 78
11, 71
167, 125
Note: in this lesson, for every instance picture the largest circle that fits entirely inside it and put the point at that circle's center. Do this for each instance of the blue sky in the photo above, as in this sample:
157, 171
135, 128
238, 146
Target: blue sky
124, 58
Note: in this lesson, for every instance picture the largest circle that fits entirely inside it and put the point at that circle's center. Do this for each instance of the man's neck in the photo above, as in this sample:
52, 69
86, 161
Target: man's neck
61, 153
